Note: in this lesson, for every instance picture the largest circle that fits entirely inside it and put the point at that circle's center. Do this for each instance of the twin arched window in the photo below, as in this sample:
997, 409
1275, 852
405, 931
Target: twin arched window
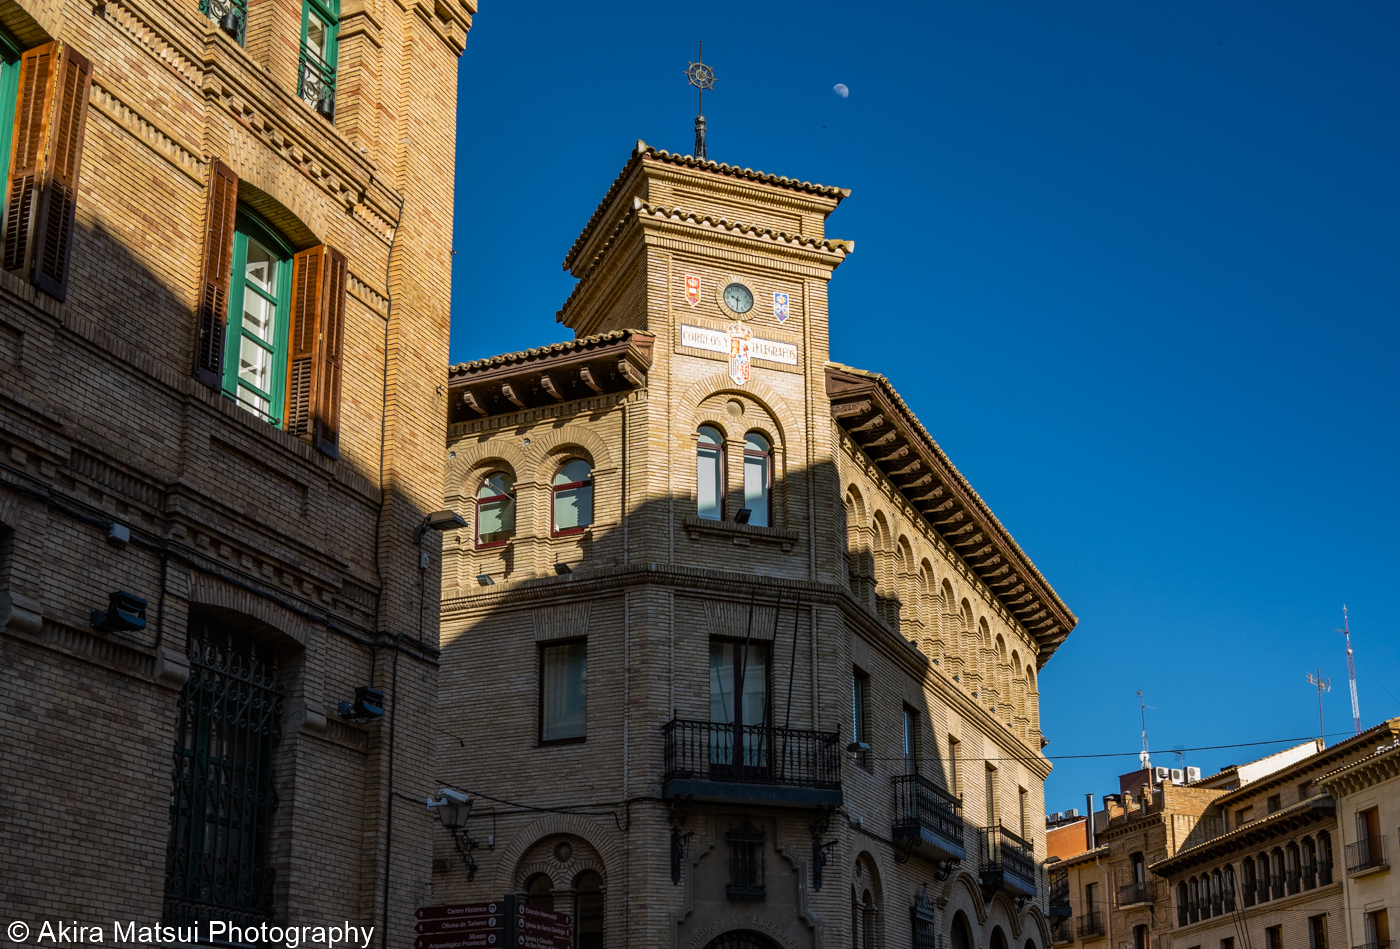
710, 476
572, 503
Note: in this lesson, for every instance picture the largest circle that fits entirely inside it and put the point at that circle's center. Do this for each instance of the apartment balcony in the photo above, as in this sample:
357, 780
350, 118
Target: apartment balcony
1090, 925
1366, 856
1008, 863
1062, 935
1374, 945
757, 764
928, 818
1143, 893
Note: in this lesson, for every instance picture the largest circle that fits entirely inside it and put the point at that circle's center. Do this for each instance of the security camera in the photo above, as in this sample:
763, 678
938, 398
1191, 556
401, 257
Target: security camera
447, 796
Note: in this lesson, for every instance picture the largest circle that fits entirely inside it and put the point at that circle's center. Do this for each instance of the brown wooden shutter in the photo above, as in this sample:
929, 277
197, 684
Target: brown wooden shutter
27, 152
215, 275
58, 206
315, 355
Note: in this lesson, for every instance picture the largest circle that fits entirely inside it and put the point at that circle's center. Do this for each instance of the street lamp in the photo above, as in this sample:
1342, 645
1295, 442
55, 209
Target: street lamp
453, 808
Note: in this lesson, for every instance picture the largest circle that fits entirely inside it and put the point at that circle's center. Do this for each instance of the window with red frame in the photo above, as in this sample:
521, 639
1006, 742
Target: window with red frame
758, 479
573, 497
495, 509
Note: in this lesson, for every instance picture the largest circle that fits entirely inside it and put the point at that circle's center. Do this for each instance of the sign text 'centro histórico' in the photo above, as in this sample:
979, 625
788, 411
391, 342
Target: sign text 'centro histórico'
498, 923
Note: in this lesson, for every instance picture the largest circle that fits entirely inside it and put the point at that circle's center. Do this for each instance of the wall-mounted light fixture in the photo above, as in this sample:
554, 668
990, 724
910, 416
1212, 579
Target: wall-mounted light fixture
438, 521
857, 748
118, 535
743, 515
453, 808
563, 569
484, 579
125, 612
367, 707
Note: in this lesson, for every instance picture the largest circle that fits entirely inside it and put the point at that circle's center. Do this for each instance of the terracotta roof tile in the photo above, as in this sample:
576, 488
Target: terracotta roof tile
525, 355
643, 151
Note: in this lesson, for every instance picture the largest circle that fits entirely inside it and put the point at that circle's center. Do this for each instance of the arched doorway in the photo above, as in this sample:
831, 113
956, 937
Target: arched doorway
962, 932
741, 939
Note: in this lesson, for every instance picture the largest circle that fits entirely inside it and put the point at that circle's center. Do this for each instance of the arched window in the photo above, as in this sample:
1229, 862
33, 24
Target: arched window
709, 474
573, 497
495, 509
1309, 857
758, 479
1295, 871
998, 938
1140, 939
1261, 871
1193, 899
1183, 899
1229, 885
1324, 858
962, 932
589, 910
1277, 875
1248, 882
867, 922
1217, 894
539, 891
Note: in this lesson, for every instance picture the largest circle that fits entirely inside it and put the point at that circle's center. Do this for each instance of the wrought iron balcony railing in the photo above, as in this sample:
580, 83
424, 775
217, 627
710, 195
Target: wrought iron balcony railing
1007, 860
924, 811
1295, 881
782, 760
1324, 872
316, 83
1090, 924
231, 16
1136, 894
1366, 854
1309, 876
1384, 944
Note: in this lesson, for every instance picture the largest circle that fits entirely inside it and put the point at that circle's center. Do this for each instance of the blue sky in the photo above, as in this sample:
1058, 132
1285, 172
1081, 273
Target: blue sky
1148, 252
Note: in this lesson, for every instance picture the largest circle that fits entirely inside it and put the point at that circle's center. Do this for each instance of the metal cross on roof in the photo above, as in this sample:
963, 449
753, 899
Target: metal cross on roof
702, 77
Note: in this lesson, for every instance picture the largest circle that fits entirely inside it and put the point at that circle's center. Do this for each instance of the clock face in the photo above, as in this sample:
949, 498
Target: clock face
738, 298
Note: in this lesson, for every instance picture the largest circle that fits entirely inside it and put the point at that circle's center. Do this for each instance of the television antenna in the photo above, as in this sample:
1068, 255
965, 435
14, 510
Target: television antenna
702, 77
1323, 685
1351, 674
1144, 757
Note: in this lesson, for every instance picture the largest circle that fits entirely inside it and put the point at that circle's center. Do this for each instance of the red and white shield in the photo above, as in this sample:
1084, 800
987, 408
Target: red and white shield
740, 347
692, 290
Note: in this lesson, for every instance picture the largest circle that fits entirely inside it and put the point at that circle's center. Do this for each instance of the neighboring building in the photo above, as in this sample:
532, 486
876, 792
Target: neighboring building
1272, 877
1104, 896
863, 770
223, 325
1367, 792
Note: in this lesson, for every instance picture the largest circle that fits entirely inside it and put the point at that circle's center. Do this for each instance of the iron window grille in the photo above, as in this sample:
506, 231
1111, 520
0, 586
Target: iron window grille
925, 922
1090, 924
222, 798
231, 16
746, 862
316, 83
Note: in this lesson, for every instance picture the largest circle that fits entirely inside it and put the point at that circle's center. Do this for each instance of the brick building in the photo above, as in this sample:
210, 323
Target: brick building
223, 325
1367, 792
732, 654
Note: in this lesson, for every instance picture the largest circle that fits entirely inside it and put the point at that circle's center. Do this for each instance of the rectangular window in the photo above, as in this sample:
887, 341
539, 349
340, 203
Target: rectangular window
1275, 802
1273, 937
563, 691
1242, 817
1306, 790
1021, 798
910, 742
255, 356
320, 25
9, 86
1378, 929
1227, 943
993, 811
739, 697
954, 779
860, 709
1091, 897
709, 474
1317, 932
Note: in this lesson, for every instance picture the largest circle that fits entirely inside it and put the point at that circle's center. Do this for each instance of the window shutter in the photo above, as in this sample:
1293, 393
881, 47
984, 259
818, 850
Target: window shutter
315, 359
53, 228
215, 275
36, 75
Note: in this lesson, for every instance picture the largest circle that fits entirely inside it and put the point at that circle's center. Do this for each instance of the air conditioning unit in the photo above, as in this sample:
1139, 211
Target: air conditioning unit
1178, 776
1057, 817
1161, 774
1072, 813
1193, 774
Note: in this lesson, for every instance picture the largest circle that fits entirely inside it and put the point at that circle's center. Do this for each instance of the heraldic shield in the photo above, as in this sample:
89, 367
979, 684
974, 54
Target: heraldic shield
740, 346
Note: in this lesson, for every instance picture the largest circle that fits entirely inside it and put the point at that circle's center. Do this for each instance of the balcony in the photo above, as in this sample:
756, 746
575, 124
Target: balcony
1061, 935
1008, 863
1143, 893
316, 83
1090, 925
1365, 856
788, 767
928, 817
1375, 945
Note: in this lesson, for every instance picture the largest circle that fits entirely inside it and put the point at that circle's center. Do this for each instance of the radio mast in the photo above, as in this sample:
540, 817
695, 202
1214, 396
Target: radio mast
1323, 685
1351, 674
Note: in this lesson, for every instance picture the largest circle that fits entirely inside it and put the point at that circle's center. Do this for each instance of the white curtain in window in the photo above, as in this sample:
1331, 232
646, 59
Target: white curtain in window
564, 689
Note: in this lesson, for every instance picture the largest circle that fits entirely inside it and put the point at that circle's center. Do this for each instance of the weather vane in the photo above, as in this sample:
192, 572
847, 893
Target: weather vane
701, 77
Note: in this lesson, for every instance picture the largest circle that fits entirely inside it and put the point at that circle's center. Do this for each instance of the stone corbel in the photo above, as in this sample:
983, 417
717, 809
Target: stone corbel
301, 713
19, 612
172, 668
